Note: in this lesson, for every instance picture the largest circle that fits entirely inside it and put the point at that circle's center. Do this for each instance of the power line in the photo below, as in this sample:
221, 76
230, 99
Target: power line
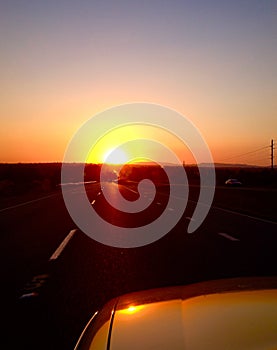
247, 153
265, 160
267, 157
256, 157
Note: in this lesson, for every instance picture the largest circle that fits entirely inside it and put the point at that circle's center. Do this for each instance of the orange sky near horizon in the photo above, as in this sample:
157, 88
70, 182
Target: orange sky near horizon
212, 61
112, 142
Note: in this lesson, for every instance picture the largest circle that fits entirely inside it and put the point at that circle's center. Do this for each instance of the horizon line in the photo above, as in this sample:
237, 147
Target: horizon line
203, 164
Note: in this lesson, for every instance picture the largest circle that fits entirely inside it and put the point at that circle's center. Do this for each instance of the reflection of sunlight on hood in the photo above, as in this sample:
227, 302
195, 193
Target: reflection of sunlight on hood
131, 309
155, 325
237, 320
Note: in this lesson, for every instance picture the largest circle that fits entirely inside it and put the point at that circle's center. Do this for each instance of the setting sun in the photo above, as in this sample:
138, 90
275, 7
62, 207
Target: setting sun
115, 156
117, 147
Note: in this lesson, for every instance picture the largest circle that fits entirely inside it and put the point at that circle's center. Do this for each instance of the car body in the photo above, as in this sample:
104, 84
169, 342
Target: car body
233, 182
239, 313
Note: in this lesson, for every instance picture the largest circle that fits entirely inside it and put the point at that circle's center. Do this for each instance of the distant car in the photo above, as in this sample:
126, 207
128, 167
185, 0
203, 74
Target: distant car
239, 313
233, 182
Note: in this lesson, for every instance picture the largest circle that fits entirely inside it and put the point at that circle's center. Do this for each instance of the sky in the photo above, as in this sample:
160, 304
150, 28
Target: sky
213, 61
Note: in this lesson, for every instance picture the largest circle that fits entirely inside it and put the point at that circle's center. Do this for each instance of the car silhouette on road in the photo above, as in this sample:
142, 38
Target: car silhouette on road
233, 182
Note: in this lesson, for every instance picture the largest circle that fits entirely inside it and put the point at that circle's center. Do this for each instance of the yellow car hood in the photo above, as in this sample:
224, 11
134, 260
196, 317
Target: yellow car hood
228, 314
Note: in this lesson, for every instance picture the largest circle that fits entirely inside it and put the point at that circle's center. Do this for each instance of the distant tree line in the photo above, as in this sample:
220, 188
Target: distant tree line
46, 177
21, 178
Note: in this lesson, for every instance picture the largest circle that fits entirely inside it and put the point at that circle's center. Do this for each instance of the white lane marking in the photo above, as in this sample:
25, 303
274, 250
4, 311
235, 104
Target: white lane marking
129, 189
189, 218
61, 247
216, 208
93, 201
245, 215
225, 235
66, 184
28, 295
227, 211
29, 202
145, 194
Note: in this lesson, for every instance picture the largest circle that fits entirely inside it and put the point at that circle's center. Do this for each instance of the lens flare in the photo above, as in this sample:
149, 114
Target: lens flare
145, 115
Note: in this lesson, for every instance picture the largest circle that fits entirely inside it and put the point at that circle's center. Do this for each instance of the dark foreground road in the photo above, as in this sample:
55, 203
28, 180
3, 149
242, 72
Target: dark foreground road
48, 295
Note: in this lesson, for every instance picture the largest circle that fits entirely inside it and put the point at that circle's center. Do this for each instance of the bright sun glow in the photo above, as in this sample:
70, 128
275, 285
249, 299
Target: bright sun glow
108, 150
115, 156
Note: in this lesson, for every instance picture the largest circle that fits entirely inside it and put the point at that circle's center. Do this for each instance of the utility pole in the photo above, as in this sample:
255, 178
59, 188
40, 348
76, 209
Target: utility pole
272, 154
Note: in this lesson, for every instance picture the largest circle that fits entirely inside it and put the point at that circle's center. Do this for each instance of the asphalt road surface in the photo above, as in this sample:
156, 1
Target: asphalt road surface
54, 277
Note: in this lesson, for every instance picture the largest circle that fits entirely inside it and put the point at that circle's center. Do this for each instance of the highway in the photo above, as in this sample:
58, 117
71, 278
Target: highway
54, 277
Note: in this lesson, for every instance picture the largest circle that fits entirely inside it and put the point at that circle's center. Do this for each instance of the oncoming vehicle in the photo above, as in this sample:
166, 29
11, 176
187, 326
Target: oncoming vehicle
239, 313
233, 182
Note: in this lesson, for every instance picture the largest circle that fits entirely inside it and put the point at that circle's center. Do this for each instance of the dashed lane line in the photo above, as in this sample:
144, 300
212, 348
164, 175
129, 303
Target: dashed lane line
190, 218
225, 235
245, 215
229, 211
61, 247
